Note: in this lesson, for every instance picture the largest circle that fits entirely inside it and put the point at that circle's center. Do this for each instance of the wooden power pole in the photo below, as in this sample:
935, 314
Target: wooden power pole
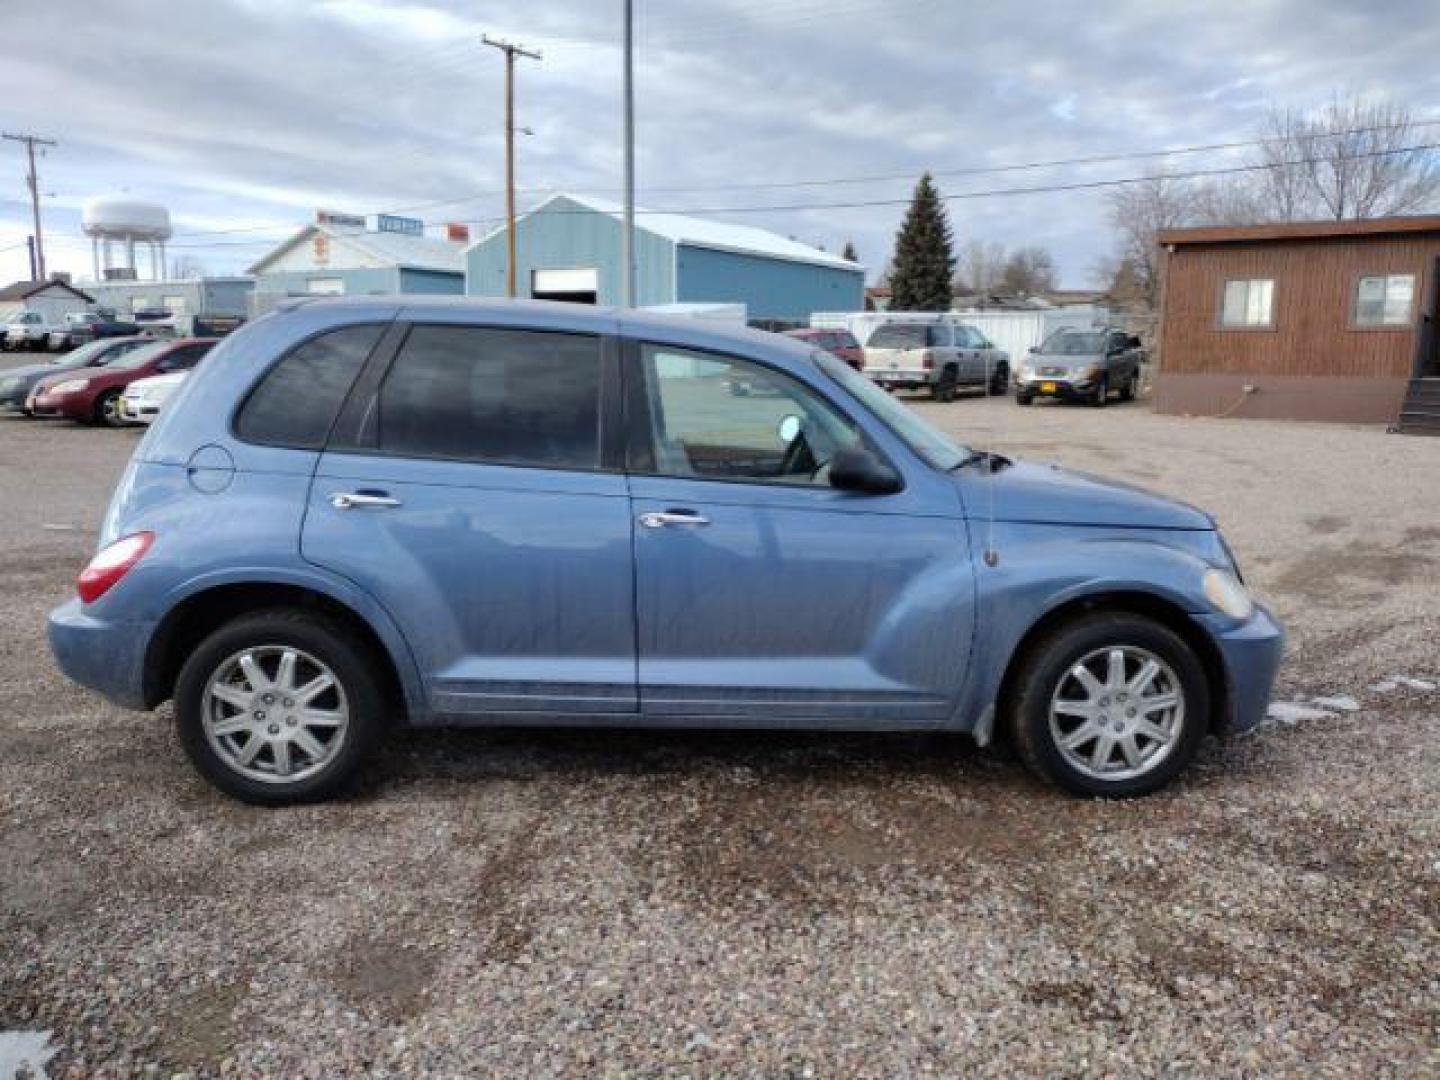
511, 51
32, 181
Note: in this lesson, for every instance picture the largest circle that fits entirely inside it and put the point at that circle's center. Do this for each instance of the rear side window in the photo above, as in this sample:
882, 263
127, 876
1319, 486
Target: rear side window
514, 397
296, 402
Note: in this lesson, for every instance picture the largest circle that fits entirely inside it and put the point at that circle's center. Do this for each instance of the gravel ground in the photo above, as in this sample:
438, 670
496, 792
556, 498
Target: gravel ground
557, 903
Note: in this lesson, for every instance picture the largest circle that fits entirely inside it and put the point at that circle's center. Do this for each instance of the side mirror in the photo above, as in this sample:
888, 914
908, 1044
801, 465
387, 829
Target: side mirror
853, 468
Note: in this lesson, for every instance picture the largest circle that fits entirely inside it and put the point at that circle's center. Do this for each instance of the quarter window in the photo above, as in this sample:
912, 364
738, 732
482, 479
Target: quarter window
717, 418
296, 402
1248, 303
1384, 299
515, 397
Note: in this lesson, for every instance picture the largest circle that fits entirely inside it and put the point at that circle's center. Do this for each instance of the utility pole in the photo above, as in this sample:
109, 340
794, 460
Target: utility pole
511, 51
33, 182
627, 238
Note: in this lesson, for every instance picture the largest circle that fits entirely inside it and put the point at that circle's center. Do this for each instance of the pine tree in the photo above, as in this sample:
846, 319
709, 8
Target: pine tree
850, 254
924, 262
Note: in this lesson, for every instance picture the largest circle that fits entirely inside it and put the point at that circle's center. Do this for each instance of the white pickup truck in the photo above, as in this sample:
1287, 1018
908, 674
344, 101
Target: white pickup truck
30, 331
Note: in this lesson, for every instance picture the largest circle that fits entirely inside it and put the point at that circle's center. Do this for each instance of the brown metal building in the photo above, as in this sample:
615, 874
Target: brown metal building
1319, 320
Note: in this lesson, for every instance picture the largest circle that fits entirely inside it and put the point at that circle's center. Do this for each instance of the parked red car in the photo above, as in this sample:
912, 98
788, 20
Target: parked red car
94, 397
841, 343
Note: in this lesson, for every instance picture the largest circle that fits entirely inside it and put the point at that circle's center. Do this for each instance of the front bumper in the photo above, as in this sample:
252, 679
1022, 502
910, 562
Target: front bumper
105, 656
71, 406
1055, 387
1251, 653
138, 411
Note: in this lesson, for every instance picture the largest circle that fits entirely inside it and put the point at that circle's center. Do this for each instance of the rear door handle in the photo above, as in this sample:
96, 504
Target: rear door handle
362, 500
661, 518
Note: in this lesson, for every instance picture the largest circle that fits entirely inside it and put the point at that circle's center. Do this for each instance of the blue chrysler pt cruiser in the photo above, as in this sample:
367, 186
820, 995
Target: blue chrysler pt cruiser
363, 513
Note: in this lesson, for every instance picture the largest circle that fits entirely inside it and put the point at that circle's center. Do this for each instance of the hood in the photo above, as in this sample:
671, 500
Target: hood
159, 382
1048, 494
32, 371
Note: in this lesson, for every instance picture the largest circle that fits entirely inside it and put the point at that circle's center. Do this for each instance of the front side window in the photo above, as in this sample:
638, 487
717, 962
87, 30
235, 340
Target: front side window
511, 397
719, 418
1247, 304
297, 401
929, 442
1384, 299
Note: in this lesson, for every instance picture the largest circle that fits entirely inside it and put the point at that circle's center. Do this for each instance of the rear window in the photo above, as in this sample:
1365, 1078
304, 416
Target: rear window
899, 336
297, 401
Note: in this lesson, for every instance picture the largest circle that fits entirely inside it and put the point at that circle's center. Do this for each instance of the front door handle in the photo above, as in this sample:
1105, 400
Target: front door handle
362, 500
662, 518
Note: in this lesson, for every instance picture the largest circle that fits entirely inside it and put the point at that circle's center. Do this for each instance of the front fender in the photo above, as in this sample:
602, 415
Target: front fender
1041, 568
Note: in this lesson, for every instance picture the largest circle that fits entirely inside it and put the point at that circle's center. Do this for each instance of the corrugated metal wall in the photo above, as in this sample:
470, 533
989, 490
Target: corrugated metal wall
1315, 284
769, 288
563, 235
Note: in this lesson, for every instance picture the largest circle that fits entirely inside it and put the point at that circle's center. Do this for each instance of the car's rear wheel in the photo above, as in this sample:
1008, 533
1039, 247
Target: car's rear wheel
1111, 705
279, 707
999, 382
943, 388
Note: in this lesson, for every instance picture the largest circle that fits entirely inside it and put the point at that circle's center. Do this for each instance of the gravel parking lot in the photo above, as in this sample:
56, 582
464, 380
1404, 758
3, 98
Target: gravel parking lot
557, 903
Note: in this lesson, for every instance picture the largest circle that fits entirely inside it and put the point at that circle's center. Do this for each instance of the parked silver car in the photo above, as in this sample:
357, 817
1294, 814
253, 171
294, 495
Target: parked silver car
1082, 365
940, 356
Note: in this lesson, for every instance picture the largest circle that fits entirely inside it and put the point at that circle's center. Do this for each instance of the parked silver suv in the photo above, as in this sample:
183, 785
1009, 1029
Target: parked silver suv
939, 356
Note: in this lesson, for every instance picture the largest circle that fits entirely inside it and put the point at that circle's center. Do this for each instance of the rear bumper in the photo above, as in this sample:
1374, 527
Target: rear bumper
106, 657
1251, 652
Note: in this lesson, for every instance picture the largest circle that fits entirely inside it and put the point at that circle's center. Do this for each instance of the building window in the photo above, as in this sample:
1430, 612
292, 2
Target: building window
1248, 304
325, 286
1384, 299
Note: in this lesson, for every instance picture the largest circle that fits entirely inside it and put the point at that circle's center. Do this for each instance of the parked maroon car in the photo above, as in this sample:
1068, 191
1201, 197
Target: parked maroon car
841, 343
94, 397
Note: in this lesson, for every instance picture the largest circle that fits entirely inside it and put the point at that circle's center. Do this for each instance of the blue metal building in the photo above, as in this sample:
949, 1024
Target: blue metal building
568, 248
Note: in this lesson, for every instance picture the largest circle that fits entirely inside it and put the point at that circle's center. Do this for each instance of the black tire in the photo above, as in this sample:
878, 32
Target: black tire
1024, 399
943, 388
999, 382
1101, 397
354, 666
1049, 662
1131, 390
107, 410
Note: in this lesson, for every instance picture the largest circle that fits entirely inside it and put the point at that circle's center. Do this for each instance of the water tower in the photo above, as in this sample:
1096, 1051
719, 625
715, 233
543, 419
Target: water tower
127, 222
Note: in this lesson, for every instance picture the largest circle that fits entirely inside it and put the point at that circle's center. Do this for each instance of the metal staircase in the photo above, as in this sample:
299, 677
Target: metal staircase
1420, 413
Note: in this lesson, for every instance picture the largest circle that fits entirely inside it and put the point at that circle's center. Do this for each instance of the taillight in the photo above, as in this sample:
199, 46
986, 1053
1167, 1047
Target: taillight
927, 360
111, 564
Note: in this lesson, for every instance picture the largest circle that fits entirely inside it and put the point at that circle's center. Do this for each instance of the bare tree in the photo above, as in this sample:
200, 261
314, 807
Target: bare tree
1138, 213
981, 266
1352, 160
1028, 270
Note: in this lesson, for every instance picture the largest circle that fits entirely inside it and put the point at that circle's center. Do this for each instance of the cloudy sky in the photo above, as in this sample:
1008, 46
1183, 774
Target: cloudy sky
243, 116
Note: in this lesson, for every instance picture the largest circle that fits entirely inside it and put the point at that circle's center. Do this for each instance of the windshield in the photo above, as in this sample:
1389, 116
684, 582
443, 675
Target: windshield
898, 336
141, 356
1074, 343
82, 356
934, 446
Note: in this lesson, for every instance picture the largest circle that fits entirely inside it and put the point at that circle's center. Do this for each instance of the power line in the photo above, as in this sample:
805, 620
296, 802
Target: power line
979, 170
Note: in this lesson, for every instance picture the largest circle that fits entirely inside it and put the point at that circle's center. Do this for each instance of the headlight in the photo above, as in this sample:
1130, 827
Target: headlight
1223, 589
70, 386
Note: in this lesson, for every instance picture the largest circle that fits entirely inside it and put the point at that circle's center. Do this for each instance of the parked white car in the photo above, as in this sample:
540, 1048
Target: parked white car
143, 398
29, 330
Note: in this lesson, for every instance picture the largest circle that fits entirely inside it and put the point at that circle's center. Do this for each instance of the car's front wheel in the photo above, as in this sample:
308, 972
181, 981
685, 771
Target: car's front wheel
1111, 704
280, 707
1101, 394
107, 410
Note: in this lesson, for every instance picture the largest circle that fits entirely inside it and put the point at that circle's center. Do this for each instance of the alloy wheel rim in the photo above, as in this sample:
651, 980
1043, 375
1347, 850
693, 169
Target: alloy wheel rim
275, 713
1117, 713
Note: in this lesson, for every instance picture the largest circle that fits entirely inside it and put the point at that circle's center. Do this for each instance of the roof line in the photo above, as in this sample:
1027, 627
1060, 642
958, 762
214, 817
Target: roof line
1300, 230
